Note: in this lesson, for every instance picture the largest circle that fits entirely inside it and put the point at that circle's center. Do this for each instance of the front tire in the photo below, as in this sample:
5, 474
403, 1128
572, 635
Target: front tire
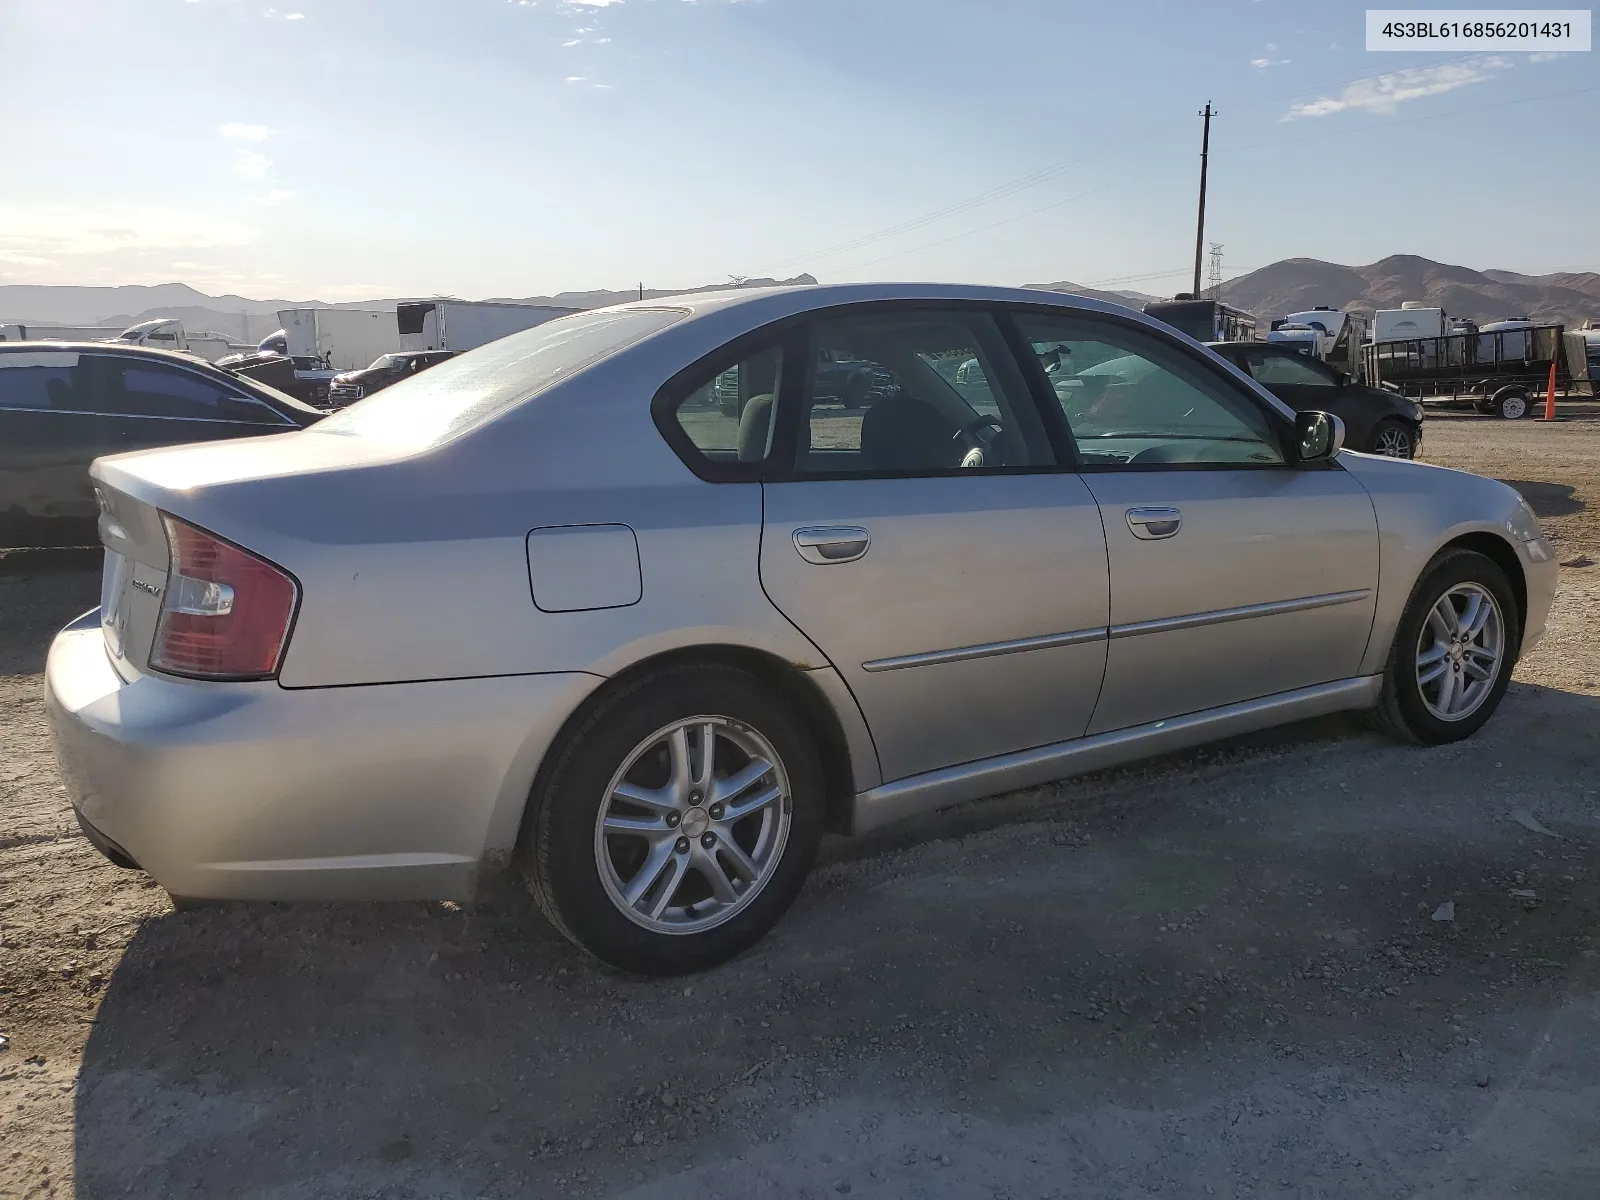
1453, 653
1393, 438
678, 822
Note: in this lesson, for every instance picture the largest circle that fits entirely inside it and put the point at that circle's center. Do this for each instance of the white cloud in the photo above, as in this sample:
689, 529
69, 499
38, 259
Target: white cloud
576, 78
1260, 62
61, 230
249, 164
572, 42
1539, 56
1383, 93
295, 17
244, 133
593, 3
277, 196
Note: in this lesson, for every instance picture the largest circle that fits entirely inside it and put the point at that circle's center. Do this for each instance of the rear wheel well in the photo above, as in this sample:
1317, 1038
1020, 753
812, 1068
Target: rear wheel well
788, 681
1504, 556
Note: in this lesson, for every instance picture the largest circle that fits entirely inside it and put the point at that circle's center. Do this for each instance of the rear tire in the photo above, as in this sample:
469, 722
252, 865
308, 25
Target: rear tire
1433, 690
1510, 403
629, 811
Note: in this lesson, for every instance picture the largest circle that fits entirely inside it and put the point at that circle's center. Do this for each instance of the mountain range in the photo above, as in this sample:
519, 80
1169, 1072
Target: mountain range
1292, 285
1296, 284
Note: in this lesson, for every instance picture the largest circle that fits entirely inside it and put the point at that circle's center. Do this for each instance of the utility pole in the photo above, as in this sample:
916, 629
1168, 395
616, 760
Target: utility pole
1200, 227
641, 290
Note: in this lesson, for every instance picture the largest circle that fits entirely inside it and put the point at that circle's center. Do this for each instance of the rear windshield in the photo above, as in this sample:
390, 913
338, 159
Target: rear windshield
470, 388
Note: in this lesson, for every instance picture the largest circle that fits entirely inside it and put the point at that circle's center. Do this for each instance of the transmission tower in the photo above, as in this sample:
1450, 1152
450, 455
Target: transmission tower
1214, 272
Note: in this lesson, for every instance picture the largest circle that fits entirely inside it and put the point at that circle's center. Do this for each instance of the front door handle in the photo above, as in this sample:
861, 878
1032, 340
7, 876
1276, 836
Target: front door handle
1153, 524
825, 544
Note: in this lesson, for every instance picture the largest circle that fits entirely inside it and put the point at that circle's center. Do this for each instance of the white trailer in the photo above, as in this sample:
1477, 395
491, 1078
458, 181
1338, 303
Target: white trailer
459, 325
1410, 320
32, 332
347, 339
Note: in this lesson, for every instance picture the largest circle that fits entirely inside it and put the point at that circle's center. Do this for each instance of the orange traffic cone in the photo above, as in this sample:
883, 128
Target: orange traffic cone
1550, 393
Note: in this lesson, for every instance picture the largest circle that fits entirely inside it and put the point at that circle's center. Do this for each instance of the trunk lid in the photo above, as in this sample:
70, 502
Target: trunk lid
239, 490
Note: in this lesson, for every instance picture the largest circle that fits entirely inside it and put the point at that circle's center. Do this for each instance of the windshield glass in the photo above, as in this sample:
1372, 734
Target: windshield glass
470, 388
386, 360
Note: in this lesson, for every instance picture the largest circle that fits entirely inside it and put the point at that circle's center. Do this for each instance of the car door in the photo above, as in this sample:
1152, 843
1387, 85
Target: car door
49, 434
157, 402
930, 546
1234, 573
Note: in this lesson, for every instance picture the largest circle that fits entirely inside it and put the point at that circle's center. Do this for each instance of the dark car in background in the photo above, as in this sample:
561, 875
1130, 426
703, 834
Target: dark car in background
64, 404
349, 386
1376, 420
306, 379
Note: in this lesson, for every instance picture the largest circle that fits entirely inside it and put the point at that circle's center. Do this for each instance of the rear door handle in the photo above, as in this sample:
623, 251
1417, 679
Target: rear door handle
1153, 524
825, 544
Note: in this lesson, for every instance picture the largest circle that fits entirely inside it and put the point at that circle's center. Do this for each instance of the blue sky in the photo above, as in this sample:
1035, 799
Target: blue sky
346, 148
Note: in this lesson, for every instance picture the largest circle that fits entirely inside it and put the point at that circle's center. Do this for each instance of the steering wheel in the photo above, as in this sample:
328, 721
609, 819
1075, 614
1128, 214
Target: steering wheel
975, 442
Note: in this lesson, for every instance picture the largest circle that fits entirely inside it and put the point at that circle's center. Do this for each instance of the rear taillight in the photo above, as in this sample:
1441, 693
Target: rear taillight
225, 613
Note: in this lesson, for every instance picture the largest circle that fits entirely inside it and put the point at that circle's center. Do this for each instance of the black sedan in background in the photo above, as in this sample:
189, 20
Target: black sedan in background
1376, 420
63, 404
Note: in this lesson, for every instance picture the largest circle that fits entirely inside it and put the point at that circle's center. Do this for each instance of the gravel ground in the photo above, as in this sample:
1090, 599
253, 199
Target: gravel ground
1219, 975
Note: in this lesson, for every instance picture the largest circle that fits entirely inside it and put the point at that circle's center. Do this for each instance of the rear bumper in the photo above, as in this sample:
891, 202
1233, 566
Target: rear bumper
254, 791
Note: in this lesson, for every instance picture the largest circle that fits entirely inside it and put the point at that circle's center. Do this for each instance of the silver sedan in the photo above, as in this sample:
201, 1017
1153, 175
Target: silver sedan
634, 604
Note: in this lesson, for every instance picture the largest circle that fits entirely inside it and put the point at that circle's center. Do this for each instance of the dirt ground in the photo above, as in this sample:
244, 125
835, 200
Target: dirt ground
1218, 975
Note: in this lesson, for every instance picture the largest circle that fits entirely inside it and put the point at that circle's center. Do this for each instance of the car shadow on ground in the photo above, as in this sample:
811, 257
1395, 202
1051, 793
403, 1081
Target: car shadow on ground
40, 591
1272, 899
1548, 499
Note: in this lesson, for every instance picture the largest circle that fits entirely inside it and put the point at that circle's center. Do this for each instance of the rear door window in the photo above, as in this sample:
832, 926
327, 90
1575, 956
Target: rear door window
40, 382
145, 388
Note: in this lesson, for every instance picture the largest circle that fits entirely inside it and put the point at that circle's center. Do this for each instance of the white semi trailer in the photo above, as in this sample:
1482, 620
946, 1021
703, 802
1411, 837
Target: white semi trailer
33, 331
346, 339
459, 325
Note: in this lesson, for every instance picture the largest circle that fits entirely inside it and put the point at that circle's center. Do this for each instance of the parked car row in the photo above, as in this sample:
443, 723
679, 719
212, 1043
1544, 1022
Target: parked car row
544, 605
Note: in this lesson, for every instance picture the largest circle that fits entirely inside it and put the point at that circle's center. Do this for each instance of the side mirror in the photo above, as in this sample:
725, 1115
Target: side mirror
1344, 379
1318, 436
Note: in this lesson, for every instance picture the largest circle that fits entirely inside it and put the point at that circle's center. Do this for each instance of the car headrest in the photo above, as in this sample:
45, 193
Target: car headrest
906, 434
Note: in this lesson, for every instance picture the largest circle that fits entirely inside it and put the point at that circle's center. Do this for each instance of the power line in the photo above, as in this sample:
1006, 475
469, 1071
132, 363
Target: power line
981, 229
1033, 179
1377, 125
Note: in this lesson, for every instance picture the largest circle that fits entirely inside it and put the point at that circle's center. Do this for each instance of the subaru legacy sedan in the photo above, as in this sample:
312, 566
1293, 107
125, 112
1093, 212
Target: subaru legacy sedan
552, 606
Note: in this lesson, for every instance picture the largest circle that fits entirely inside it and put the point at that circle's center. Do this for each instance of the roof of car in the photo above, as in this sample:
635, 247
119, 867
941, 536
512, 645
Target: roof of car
176, 356
801, 297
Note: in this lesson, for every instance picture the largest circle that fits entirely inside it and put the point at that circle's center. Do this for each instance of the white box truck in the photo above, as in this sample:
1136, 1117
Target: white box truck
459, 325
1411, 320
346, 339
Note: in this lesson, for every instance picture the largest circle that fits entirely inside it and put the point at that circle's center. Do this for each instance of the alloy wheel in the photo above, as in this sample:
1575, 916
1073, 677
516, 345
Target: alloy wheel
1394, 442
693, 825
1460, 651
